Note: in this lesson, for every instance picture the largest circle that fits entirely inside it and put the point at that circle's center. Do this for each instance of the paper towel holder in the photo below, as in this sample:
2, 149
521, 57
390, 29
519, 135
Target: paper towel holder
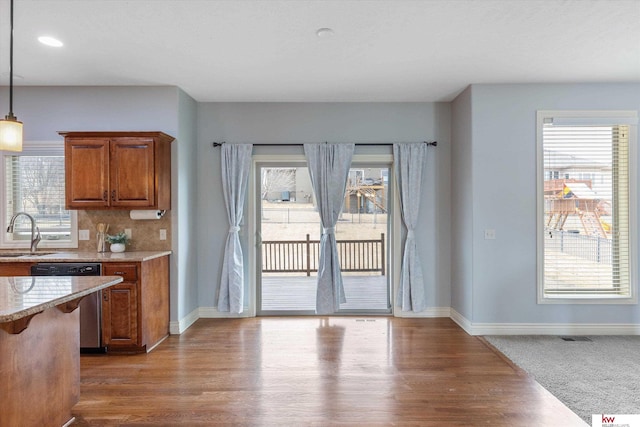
146, 214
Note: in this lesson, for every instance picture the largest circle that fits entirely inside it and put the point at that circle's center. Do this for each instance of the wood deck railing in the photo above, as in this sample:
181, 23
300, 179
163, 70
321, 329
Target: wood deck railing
301, 256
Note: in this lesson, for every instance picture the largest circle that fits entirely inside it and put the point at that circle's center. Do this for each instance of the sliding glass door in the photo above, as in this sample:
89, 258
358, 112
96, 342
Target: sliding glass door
288, 230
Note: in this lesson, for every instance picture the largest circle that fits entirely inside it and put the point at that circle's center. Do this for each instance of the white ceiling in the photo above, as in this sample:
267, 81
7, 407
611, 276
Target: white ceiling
265, 50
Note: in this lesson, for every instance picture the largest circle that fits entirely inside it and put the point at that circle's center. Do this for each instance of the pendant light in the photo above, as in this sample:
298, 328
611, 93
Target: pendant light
10, 127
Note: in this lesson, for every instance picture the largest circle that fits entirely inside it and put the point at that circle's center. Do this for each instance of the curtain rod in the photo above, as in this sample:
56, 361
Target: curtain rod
218, 144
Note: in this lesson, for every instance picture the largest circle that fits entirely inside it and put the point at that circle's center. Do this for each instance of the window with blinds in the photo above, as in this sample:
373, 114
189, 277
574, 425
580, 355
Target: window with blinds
34, 183
585, 207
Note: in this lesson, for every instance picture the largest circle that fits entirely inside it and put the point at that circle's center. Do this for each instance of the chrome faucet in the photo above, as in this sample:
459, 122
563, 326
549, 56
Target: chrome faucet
35, 238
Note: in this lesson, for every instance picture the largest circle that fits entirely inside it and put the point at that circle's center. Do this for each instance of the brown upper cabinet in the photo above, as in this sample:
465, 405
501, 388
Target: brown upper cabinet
117, 170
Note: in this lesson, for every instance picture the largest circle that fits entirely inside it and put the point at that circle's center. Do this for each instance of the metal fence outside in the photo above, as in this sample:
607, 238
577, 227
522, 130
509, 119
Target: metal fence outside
591, 248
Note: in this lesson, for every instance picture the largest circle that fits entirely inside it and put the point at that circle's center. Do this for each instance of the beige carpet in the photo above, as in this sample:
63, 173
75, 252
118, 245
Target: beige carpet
591, 375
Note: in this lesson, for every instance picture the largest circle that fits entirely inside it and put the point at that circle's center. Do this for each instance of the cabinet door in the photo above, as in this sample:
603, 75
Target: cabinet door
120, 315
86, 173
132, 172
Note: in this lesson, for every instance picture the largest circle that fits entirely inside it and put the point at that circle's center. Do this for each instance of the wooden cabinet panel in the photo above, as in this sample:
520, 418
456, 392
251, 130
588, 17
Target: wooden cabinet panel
154, 300
120, 315
15, 268
117, 170
40, 370
87, 173
132, 170
120, 307
135, 313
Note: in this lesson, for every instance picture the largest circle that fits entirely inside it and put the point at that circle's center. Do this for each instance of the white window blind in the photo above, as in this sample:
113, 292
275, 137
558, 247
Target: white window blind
586, 210
34, 183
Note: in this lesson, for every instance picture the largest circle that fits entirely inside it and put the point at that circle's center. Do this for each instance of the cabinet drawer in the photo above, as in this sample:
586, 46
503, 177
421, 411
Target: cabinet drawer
15, 269
129, 272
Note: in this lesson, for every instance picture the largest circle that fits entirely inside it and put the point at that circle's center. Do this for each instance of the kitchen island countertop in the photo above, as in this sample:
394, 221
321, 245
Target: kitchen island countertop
24, 296
40, 347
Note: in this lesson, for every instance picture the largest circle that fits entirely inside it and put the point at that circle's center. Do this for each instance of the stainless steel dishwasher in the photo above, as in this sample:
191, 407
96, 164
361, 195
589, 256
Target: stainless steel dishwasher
90, 306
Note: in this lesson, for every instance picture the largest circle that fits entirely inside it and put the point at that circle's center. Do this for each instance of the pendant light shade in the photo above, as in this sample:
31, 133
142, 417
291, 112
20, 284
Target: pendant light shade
10, 127
10, 134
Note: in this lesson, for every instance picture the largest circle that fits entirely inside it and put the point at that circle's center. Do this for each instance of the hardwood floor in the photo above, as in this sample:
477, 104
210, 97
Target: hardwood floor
315, 371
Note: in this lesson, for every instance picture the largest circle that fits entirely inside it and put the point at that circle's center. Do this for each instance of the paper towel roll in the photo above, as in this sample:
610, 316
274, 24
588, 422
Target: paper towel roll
140, 214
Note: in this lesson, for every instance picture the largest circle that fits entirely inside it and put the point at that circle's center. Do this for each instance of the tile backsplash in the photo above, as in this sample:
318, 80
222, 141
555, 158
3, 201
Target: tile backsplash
145, 234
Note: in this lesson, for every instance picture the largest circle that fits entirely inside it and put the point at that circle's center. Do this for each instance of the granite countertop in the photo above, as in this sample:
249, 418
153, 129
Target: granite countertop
24, 296
75, 256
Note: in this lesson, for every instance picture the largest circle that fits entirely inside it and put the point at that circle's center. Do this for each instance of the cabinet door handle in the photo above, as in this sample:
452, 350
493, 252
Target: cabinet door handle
113, 195
119, 273
105, 296
104, 195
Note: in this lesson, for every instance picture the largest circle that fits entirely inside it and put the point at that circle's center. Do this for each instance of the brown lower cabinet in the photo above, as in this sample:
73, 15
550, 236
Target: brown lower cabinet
15, 269
135, 312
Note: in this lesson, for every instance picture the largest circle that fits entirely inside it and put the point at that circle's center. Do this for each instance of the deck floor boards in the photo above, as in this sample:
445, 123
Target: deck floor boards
298, 293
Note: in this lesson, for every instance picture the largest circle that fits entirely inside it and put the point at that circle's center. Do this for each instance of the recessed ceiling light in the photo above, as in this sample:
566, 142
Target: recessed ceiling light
50, 41
324, 32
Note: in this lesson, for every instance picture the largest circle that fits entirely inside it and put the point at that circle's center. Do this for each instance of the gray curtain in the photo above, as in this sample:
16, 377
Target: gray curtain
329, 169
236, 163
409, 160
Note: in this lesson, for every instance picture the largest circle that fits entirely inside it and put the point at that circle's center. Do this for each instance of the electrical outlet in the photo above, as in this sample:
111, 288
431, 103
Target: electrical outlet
163, 234
489, 234
127, 231
83, 234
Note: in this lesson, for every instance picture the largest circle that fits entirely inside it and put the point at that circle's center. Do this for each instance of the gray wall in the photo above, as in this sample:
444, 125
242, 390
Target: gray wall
317, 122
47, 110
462, 205
184, 271
485, 178
503, 175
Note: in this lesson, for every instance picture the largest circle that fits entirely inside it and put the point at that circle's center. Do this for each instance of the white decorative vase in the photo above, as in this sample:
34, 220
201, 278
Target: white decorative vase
117, 247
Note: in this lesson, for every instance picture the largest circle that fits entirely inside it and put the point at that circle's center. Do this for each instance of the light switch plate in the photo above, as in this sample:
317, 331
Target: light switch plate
127, 231
489, 234
163, 234
83, 234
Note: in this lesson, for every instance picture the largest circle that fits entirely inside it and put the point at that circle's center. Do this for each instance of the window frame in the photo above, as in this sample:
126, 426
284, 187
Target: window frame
585, 118
35, 148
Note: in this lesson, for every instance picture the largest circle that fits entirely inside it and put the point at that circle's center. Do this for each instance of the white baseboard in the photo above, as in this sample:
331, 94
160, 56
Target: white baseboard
176, 328
544, 328
213, 312
462, 321
428, 312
